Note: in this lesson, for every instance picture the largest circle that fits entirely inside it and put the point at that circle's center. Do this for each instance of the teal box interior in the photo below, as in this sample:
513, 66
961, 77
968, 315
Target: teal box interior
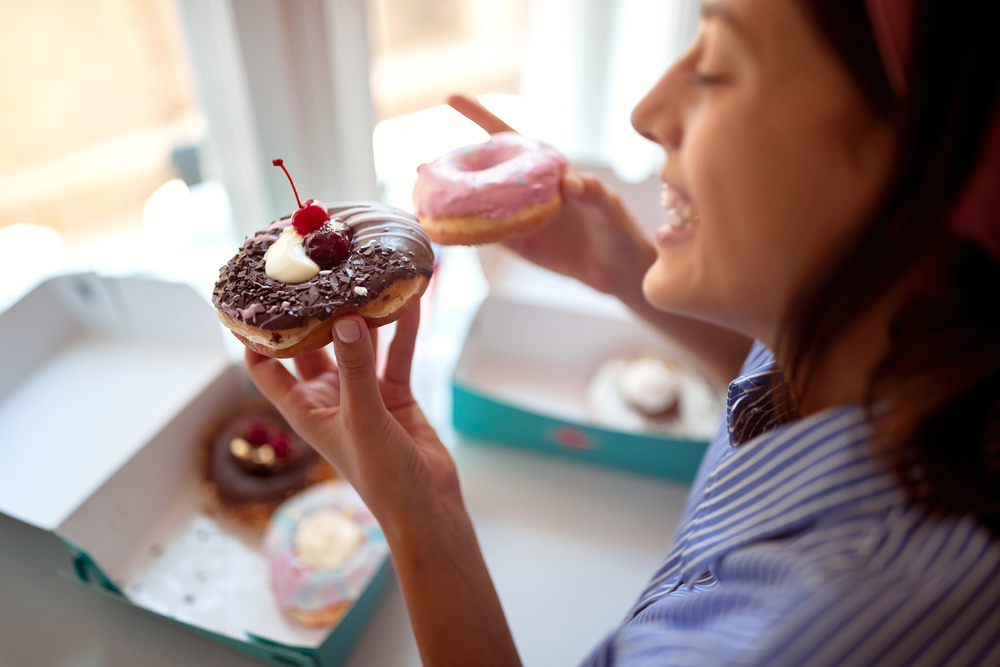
332, 652
104, 412
524, 380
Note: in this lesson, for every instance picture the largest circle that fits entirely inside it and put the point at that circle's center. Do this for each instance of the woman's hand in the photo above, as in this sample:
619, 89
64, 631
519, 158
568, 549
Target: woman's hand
594, 238
369, 428
374, 433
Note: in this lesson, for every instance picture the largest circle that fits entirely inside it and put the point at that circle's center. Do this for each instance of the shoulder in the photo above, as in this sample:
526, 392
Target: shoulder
891, 589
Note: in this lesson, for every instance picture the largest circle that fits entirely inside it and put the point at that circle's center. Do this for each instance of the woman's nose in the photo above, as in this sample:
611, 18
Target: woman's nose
659, 115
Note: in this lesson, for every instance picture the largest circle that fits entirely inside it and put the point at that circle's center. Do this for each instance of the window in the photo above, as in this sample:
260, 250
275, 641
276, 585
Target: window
423, 50
98, 112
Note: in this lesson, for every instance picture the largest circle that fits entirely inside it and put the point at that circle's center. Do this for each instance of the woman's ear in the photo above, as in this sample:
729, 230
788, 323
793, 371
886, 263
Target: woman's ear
871, 145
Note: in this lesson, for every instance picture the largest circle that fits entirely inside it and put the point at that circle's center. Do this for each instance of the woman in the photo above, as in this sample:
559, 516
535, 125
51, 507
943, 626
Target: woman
833, 202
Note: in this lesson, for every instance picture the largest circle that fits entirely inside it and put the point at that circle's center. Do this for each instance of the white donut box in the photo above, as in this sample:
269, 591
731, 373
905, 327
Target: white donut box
525, 375
101, 414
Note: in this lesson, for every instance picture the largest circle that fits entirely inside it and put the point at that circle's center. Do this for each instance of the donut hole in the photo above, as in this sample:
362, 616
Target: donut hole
481, 158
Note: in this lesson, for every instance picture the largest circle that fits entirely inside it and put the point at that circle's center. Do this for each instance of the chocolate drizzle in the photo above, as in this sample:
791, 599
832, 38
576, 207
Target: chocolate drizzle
389, 245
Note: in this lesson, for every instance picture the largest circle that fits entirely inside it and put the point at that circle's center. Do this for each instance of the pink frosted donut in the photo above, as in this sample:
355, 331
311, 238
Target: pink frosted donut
484, 192
323, 548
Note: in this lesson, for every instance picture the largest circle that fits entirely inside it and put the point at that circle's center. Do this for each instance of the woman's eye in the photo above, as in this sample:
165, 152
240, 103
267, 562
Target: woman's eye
699, 79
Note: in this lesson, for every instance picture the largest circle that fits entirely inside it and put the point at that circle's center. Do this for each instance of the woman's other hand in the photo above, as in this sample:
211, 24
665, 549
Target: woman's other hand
594, 238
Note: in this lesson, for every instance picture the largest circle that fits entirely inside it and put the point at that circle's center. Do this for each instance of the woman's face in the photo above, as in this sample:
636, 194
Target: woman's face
772, 153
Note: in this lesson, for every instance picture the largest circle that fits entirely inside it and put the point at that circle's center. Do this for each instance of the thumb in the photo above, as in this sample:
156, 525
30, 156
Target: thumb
573, 185
360, 398
589, 189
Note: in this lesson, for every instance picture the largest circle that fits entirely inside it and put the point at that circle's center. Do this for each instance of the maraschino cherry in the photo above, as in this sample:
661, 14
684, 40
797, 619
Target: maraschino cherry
329, 245
257, 435
280, 445
311, 215
262, 448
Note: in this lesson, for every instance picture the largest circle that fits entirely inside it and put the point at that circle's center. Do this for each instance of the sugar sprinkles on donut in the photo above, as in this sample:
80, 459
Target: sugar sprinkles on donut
485, 192
322, 261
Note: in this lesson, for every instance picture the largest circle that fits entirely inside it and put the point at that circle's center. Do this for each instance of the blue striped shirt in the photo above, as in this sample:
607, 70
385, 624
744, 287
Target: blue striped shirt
797, 547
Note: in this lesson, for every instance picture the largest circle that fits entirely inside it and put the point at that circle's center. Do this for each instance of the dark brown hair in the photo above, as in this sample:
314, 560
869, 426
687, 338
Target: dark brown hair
936, 394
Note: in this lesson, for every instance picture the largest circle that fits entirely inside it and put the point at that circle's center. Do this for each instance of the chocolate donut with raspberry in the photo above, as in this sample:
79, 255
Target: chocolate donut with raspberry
254, 461
289, 279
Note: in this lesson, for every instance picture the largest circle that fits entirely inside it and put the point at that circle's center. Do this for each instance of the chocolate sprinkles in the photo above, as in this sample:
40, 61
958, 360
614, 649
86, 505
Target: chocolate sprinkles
360, 279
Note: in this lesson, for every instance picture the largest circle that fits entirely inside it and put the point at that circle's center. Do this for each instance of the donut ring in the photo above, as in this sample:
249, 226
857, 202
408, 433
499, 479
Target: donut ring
387, 270
250, 493
317, 576
485, 192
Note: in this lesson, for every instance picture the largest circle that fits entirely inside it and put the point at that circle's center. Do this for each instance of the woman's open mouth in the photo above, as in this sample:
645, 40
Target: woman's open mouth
681, 216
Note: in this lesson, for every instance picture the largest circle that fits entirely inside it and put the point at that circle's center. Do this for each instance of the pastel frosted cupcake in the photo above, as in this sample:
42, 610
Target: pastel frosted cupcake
323, 547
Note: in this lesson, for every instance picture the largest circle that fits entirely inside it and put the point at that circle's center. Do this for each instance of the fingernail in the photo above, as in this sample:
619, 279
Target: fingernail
348, 331
573, 183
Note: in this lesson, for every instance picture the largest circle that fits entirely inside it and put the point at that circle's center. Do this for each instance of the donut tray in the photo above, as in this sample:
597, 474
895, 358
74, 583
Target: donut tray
526, 375
103, 412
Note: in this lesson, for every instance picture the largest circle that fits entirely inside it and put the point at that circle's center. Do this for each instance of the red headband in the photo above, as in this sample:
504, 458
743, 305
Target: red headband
976, 217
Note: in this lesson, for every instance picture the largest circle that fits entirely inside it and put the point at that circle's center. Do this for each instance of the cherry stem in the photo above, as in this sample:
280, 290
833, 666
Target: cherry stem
278, 162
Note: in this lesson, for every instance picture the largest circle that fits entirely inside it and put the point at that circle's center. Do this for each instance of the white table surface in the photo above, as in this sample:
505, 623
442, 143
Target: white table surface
569, 546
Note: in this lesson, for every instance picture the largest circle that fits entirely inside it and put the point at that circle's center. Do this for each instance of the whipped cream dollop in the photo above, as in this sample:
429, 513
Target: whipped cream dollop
326, 539
286, 259
651, 385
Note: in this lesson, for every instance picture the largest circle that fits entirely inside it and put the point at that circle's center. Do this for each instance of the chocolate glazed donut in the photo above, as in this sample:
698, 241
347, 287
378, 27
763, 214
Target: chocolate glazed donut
241, 473
253, 461
387, 269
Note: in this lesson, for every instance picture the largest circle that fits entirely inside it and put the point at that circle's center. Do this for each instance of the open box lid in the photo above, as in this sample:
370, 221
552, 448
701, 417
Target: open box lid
543, 359
148, 536
92, 368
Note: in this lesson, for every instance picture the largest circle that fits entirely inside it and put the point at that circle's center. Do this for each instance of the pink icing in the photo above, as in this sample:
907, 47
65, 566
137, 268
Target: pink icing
288, 576
492, 179
295, 583
251, 312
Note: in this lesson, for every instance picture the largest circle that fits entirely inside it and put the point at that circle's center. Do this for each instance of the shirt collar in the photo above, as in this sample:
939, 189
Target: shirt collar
758, 400
785, 479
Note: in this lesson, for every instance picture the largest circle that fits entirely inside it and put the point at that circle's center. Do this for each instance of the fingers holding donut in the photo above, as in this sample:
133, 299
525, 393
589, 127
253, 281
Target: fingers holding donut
594, 238
399, 359
505, 187
312, 365
589, 234
586, 188
283, 288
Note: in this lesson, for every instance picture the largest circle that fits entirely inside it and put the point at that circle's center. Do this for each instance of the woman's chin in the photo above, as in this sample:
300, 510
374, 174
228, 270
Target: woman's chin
661, 288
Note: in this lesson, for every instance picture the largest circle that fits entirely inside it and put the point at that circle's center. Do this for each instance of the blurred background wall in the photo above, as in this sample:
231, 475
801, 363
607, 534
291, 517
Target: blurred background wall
95, 97
105, 101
